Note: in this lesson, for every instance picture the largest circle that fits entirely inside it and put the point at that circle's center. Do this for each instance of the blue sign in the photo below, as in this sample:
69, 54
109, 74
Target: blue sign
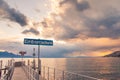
38, 42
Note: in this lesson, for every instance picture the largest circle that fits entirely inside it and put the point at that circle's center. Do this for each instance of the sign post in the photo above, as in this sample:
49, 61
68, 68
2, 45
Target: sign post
34, 63
39, 61
38, 42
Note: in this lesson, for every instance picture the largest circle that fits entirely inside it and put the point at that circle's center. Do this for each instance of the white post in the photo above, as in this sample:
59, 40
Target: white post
63, 75
1, 64
48, 73
39, 63
44, 72
54, 73
34, 64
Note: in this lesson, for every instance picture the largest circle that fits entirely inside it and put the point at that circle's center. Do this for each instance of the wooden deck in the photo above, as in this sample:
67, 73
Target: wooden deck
19, 74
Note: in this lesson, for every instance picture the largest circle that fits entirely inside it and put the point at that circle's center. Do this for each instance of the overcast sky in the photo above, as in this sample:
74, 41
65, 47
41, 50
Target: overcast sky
77, 27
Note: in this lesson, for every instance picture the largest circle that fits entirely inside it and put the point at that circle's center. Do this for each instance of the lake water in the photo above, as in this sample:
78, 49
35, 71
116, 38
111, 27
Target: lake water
103, 68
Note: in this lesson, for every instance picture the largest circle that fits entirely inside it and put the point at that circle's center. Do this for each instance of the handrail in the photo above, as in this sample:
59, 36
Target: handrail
83, 75
8, 71
49, 73
31, 74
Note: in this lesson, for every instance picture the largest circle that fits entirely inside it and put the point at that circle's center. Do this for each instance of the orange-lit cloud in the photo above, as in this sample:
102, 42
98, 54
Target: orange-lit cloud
99, 53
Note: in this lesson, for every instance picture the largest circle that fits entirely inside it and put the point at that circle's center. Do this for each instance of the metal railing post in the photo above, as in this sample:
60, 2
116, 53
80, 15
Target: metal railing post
48, 73
1, 64
54, 73
43, 72
63, 75
28, 72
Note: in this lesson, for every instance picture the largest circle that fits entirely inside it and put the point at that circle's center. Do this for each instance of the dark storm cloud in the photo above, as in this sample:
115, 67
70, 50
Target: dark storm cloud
12, 14
80, 6
31, 30
107, 27
79, 22
65, 29
69, 33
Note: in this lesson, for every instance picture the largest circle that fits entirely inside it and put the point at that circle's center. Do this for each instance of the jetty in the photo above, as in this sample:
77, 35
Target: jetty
19, 74
19, 70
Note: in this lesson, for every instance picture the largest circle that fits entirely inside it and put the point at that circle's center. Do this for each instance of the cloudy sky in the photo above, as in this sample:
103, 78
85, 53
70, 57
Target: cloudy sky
77, 27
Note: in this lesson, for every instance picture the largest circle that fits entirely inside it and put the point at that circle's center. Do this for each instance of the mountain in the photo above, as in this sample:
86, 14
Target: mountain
6, 54
114, 54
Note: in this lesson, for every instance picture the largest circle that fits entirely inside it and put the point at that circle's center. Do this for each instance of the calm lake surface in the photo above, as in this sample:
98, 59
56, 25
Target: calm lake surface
103, 68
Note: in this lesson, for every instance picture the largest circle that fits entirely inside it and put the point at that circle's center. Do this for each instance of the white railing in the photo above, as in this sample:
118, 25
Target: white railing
49, 73
8, 71
31, 73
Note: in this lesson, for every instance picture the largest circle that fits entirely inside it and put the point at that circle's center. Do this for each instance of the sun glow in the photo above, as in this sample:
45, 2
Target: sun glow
99, 53
61, 42
2, 50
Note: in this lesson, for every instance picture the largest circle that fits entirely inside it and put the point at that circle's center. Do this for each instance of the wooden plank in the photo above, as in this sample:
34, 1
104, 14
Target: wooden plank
19, 74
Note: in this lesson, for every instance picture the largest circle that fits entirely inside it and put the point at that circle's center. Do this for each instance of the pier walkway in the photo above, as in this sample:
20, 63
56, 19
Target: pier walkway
19, 74
21, 71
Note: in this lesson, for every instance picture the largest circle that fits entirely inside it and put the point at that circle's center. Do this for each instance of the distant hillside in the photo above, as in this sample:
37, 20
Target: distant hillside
6, 54
114, 54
